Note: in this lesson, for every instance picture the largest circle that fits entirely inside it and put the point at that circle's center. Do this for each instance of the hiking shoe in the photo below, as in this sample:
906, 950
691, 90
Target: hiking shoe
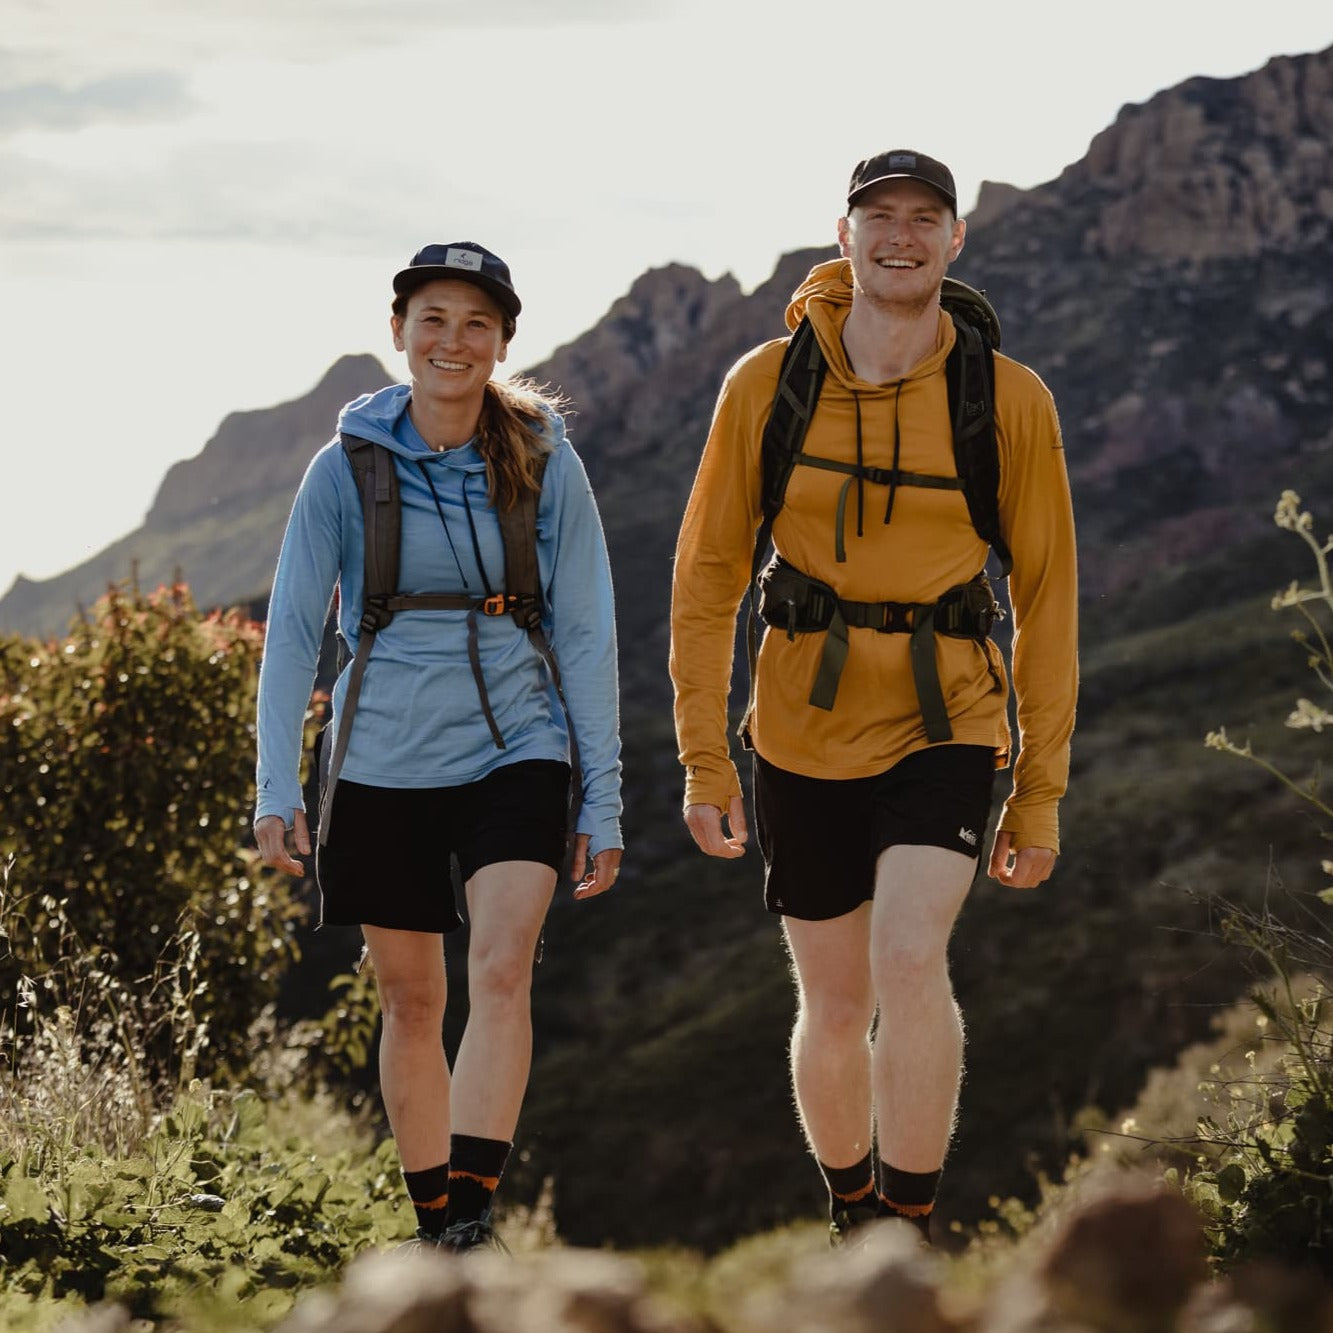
474, 1234
423, 1240
848, 1224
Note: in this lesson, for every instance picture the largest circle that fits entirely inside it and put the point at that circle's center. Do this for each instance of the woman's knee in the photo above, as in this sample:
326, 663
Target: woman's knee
500, 975
413, 1005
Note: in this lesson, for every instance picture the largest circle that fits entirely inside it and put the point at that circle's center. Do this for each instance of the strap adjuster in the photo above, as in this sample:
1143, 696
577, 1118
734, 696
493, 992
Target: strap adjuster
494, 605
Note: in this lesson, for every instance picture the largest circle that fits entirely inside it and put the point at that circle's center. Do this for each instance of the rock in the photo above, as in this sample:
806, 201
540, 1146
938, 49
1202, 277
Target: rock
857, 1289
555, 1291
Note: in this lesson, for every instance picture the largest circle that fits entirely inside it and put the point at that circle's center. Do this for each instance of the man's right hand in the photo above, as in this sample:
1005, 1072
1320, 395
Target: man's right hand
271, 835
705, 825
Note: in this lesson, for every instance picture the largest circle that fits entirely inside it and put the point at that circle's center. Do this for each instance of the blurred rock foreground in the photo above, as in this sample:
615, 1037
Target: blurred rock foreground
1127, 1259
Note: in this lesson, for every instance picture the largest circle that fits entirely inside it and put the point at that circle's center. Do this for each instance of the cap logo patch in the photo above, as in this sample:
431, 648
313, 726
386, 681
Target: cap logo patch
456, 258
902, 160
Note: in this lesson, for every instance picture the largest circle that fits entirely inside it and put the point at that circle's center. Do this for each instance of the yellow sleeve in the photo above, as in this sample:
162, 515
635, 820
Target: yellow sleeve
1037, 519
712, 571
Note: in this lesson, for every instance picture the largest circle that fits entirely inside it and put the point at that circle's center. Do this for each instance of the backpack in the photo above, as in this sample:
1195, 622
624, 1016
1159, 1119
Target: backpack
784, 597
381, 509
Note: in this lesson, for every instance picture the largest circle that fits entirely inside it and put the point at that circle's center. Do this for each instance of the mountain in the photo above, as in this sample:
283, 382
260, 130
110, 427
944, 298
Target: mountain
1173, 288
217, 519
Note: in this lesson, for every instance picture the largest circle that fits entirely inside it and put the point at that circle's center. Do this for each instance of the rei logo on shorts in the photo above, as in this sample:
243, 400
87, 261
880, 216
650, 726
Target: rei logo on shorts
968, 836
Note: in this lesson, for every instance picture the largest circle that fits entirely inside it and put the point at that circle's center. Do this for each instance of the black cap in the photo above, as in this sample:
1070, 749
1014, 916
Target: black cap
468, 262
899, 164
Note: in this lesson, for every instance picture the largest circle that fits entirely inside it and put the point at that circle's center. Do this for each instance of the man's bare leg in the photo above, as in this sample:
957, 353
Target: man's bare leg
830, 1044
918, 1054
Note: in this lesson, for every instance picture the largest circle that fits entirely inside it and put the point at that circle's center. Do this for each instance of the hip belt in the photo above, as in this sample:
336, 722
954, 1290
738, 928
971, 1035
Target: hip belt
793, 601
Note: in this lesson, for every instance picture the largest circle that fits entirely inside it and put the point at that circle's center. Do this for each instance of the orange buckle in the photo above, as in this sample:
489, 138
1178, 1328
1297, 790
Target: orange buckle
494, 605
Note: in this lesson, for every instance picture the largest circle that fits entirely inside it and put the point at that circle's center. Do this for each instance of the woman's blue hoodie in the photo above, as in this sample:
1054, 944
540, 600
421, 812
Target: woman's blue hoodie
419, 721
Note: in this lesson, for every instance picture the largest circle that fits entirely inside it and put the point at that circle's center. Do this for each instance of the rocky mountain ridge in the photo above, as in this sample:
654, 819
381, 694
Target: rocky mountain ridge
1171, 286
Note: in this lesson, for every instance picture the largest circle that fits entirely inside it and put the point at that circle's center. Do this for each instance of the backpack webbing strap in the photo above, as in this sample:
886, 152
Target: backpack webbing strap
926, 678
381, 514
969, 373
925, 671
784, 431
518, 533
354, 678
791, 600
881, 476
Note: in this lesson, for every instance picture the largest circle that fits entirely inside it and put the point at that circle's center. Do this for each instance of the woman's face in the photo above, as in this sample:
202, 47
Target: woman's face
453, 335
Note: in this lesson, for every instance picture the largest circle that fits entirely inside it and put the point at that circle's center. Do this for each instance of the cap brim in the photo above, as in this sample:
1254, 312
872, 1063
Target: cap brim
898, 176
408, 280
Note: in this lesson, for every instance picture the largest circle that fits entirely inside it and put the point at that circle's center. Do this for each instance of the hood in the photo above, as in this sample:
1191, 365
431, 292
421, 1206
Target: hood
825, 298
380, 416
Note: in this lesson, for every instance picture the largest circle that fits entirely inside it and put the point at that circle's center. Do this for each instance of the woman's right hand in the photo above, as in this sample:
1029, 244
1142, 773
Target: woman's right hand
271, 836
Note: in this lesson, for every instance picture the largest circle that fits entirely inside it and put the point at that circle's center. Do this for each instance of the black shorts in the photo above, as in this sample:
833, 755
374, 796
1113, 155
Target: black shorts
386, 862
820, 837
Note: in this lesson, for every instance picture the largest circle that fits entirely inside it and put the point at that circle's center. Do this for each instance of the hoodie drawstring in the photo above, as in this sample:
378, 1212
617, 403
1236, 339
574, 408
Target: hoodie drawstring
439, 509
897, 452
473, 632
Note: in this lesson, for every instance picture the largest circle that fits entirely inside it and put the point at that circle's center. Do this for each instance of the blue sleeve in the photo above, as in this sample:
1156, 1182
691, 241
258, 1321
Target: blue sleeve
308, 569
581, 626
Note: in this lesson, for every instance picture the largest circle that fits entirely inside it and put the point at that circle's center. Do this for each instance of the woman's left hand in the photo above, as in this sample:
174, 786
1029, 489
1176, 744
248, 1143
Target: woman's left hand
604, 873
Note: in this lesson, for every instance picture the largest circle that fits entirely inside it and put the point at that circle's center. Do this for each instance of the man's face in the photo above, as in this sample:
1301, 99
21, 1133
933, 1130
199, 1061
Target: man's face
900, 238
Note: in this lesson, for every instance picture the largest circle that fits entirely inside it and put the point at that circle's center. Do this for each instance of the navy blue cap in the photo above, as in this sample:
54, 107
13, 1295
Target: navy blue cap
468, 262
899, 164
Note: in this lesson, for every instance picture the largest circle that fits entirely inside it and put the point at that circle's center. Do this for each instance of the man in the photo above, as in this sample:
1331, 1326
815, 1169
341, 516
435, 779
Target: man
870, 799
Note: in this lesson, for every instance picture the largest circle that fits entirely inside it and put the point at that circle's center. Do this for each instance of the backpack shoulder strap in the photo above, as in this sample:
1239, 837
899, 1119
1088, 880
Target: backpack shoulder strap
523, 586
800, 379
970, 376
381, 510
518, 534
377, 482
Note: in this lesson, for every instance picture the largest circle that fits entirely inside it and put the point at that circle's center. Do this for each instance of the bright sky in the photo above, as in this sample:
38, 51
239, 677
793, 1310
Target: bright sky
202, 204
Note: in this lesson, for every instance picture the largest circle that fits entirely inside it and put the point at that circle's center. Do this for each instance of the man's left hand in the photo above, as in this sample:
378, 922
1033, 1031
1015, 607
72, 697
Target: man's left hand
1019, 870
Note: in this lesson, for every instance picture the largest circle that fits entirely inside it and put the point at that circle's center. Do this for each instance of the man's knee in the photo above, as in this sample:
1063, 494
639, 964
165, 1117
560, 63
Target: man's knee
908, 961
836, 1016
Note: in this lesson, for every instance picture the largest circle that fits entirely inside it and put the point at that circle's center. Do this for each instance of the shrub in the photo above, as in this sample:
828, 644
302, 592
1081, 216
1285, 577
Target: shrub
1268, 1142
126, 760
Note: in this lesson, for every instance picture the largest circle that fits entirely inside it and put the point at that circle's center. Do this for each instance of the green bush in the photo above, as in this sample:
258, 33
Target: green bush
126, 761
228, 1208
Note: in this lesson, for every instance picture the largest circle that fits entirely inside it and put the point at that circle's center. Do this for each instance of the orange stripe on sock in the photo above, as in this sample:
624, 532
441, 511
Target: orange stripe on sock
441, 1202
490, 1182
857, 1195
908, 1209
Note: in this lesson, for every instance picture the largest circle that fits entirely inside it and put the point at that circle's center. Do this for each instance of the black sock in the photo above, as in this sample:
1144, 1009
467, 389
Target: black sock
429, 1192
475, 1168
909, 1195
851, 1189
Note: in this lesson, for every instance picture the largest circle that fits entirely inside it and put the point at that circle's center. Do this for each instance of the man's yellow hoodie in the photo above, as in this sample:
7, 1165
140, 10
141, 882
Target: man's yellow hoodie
927, 546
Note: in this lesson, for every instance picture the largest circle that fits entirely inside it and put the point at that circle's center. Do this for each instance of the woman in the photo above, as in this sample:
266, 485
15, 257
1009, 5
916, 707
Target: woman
459, 744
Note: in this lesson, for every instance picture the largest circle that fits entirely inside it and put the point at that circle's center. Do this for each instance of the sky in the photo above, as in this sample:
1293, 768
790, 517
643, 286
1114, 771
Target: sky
202, 205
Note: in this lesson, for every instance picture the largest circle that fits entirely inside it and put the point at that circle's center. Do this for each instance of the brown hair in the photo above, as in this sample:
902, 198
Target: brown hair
513, 432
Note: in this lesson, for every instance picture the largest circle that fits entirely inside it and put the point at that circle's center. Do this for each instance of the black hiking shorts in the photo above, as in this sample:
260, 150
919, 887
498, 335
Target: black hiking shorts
821, 837
387, 859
